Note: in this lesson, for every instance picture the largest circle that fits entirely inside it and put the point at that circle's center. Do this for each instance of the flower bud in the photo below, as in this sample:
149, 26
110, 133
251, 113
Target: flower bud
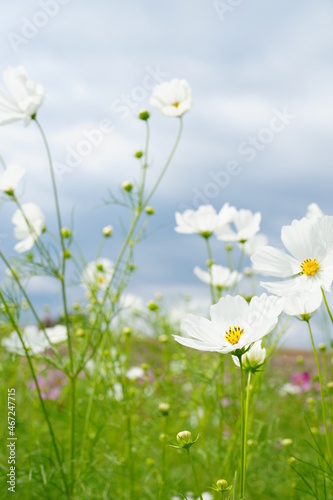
144, 115
300, 360
210, 262
322, 347
65, 232
222, 484
291, 460
228, 247
163, 437
127, 331
149, 210
184, 438
127, 186
152, 306
163, 338
79, 332
138, 154
286, 442
164, 408
150, 462
66, 254
107, 231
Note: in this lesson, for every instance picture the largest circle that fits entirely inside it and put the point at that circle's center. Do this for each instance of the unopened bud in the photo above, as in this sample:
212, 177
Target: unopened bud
138, 154
127, 186
322, 347
66, 254
152, 306
107, 231
144, 115
127, 331
286, 442
149, 210
164, 408
65, 232
222, 484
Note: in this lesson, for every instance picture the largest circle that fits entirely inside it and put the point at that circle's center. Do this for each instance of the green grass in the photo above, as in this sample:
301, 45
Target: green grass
190, 382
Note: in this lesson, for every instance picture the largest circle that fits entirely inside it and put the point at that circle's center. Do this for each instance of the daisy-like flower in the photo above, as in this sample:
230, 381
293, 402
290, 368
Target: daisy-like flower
10, 178
34, 339
172, 98
251, 245
310, 265
234, 324
29, 225
246, 225
21, 99
98, 274
303, 304
57, 334
314, 211
135, 373
204, 221
253, 359
220, 277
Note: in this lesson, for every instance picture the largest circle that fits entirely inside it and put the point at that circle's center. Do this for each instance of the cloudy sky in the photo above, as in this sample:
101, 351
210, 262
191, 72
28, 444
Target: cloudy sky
262, 79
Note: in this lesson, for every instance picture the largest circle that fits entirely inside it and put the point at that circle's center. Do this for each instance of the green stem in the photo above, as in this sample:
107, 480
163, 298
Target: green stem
194, 474
246, 417
66, 317
243, 437
166, 164
241, 257
326, 304
132, 230
41, 401
322, 396
144, 167
219, 390
210, 261
163, 465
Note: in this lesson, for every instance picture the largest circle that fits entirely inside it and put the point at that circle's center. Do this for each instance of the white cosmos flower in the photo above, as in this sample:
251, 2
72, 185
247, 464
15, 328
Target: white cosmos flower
234, 324
98, 274
172, 98
135, 373
310, 265
314, 211
220, 277
10, 178
34, 339
21, 99
303, 303
246, 225
57, 334
251, 245
252, 359
203, 221
29, 225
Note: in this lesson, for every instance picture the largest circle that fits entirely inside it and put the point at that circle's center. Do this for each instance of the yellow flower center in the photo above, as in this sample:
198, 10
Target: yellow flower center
233, 334
309, 267
100, 280
175, 104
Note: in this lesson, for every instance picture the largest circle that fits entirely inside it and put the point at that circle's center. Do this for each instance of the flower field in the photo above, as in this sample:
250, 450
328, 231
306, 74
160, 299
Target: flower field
121, 398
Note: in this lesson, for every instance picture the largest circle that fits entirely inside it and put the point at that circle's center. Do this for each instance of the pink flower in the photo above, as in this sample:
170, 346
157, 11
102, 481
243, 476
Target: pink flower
302, 380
